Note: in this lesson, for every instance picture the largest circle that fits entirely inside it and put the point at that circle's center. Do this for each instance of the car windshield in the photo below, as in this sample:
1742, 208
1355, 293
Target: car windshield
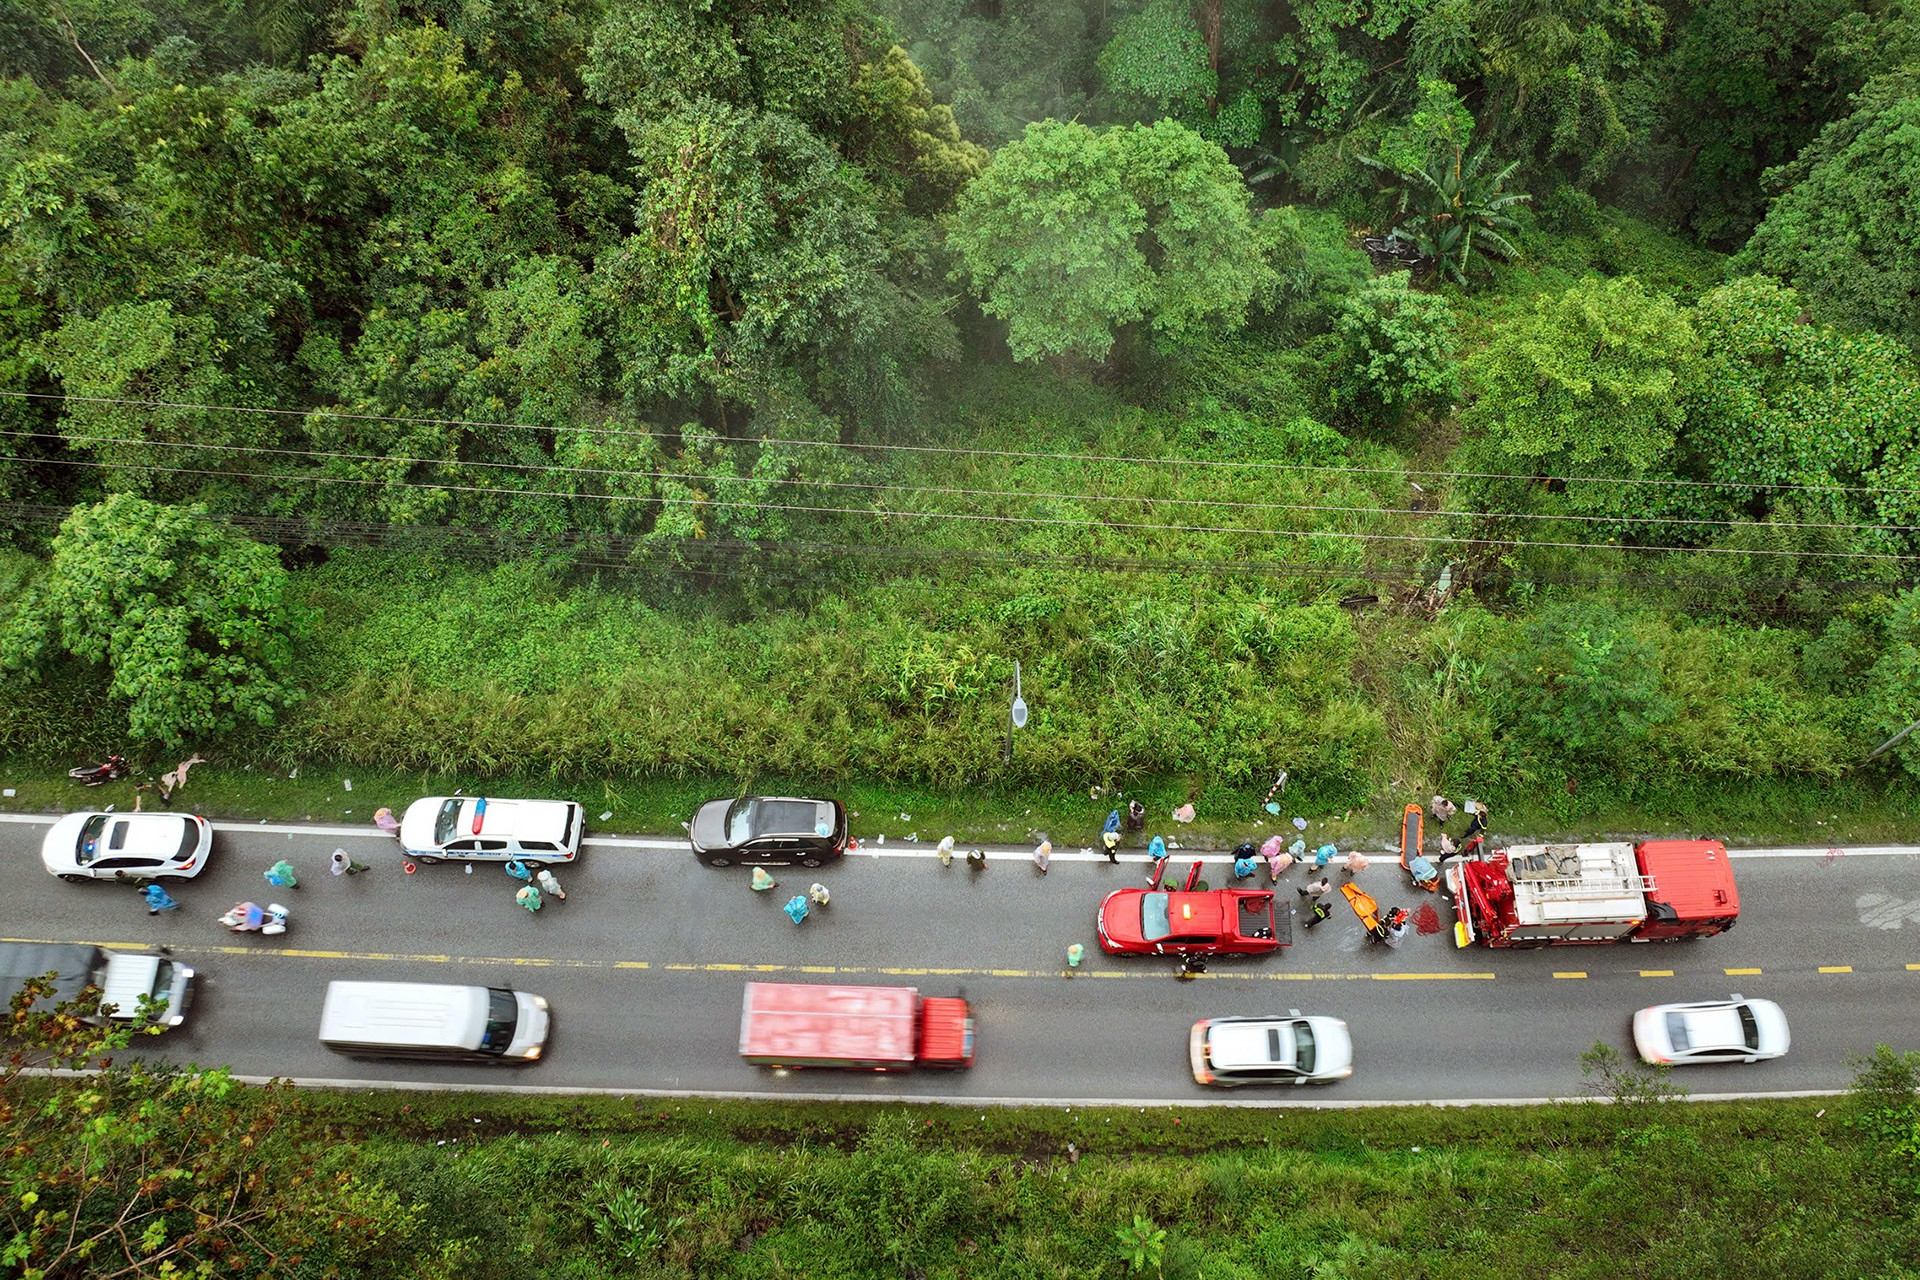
1677, 1032
1154, 922
503, 1016
90, 839
740, 820
449, 818
1303, 1048
1749, 1029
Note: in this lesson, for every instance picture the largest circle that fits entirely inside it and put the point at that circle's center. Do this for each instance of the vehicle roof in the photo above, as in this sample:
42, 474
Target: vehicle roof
72, 962
515, 819
149, 835
129, 977
1715, 1028
403, 1013
1694, 877
790, 816
1232, 1045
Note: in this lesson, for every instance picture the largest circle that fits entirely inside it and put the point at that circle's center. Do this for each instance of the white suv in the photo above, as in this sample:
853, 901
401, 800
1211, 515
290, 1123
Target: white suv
1289, 1050
475, 828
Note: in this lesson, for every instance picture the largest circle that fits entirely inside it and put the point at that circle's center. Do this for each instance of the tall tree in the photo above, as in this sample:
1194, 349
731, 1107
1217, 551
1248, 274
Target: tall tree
1845, 230
1073, 232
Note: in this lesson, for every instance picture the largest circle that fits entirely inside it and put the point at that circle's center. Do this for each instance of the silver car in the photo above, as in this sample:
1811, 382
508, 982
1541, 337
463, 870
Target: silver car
1692, 1035
1270, 1050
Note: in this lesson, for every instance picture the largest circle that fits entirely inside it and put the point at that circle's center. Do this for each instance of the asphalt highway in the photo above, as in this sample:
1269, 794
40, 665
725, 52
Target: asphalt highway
645, 960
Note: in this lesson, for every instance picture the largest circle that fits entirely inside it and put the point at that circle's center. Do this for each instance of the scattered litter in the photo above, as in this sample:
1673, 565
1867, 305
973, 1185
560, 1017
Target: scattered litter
293, 775
606, 815
349, 811
109, 808
914, 836
347, 783
879, 839
469, 868
1299, 824
9, 793
1426, 920
906, 817
1183, 814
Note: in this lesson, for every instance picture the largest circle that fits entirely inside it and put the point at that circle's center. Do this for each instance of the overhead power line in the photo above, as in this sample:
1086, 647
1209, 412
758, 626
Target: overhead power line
976, 517
625, 552
632, 473
1035, 455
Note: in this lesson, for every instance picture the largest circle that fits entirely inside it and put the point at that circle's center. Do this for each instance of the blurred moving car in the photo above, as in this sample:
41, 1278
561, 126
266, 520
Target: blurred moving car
154, 846
1270, 1050
768, 830
1691, 1035
480, 829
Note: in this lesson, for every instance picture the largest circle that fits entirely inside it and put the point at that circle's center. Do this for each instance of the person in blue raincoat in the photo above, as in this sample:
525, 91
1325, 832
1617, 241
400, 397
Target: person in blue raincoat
796, 908
1244, 861
518, 869
1157, 850
159, 900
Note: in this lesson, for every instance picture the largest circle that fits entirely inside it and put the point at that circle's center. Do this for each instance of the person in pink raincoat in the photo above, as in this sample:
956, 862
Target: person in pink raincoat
1278, 859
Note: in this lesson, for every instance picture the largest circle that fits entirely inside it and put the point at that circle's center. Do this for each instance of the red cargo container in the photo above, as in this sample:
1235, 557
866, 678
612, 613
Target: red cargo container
792, 1024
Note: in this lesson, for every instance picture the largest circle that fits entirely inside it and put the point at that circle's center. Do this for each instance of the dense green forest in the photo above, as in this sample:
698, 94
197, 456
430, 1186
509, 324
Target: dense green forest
1500, 394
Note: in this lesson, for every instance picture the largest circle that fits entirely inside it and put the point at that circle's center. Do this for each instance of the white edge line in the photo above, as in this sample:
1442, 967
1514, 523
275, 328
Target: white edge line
962, 1100
923, 849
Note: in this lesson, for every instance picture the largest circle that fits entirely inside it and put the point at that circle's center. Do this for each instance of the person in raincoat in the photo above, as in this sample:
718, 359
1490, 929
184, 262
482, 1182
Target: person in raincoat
1110, 836
1278, 859
1157, 851
762, 881
817, 894
280, 875
1323, 855
1075, 954
945, 850
1043, 855
549, 885
158, 900
528, 897
384, 819
1244, 861
796, 908
1356, 862
518, 869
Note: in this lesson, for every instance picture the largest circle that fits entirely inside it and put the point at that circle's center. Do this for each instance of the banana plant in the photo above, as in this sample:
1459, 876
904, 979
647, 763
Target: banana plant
1453, 206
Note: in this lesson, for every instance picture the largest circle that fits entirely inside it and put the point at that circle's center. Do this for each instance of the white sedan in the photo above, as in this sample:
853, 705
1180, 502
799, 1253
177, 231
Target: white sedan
1691, 1035
152, 846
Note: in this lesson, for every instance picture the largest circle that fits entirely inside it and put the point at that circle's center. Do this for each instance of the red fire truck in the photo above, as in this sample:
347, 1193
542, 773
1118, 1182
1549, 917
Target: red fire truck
1550, 895
802, 1024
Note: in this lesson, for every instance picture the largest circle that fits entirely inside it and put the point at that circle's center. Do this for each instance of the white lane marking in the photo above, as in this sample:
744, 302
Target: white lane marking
965, 1100
925, 849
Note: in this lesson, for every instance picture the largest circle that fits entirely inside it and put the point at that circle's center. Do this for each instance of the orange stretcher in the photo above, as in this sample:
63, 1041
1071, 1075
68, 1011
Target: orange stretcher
1368, 910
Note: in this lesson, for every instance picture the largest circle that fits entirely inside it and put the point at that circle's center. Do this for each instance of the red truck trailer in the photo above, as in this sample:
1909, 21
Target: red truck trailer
1552, 895
802, 1024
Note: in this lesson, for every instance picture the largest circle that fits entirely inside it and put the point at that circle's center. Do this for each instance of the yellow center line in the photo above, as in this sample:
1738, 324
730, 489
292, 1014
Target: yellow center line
1570, 973
1656, 973
1836, 968
1913, 967
1741, 973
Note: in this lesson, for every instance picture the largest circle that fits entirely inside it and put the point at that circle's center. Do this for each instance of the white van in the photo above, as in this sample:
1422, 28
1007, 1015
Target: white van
433, 1022
475, 828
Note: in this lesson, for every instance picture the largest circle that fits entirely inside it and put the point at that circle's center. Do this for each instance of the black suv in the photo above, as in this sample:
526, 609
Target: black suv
776, 830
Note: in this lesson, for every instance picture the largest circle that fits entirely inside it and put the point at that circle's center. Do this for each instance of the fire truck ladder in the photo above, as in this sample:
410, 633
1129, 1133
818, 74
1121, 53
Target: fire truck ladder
1574, 890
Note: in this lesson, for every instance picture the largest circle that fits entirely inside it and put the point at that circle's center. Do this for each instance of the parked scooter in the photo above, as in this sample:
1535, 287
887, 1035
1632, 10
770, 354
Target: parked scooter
112, 769
251, 917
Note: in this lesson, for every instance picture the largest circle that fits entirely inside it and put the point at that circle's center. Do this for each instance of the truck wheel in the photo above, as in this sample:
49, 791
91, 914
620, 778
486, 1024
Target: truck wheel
719, 862
71, 878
